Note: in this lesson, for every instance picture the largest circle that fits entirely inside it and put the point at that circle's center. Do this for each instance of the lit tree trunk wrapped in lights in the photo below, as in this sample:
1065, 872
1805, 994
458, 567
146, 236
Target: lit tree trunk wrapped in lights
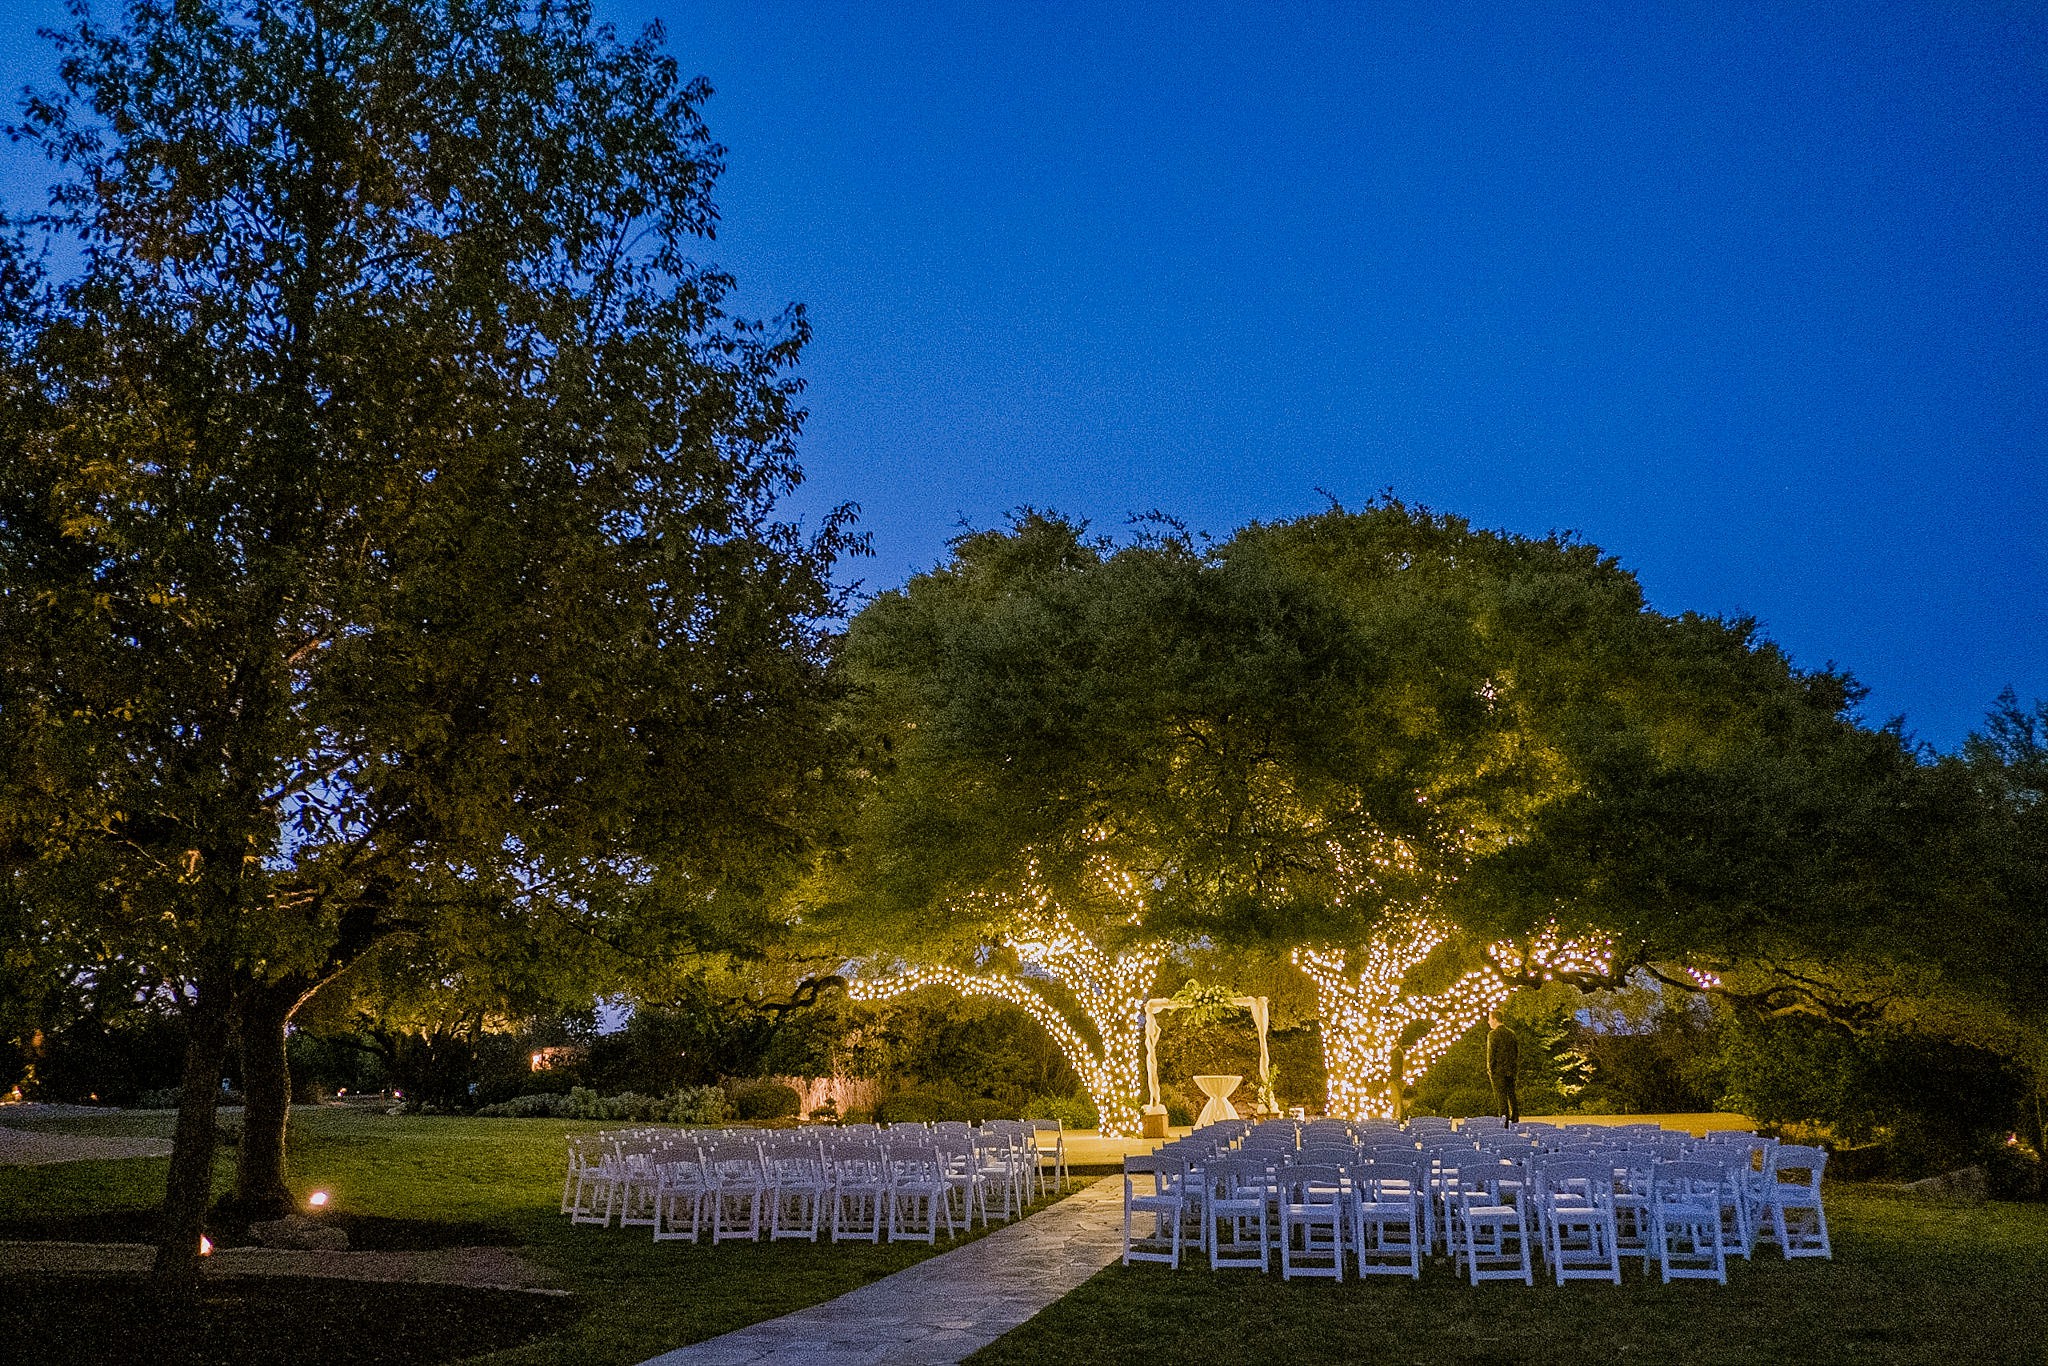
1110, 989
1375, 1020
1369, 1016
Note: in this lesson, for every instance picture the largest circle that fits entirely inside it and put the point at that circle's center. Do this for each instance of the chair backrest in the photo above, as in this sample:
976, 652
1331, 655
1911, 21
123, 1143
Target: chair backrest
1594, 1181
1399, 1171
1795, 1164
1319, 1183
1229, 1175
1168, 1170
1686, 1180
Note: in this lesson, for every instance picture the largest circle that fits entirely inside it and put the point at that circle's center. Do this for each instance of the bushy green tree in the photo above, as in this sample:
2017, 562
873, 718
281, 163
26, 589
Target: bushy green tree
387, 530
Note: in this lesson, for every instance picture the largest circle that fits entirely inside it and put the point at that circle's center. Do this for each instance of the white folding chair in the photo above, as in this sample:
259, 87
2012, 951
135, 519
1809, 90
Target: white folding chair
1390, 1228
1490, 1230
1237, 1198
797, 1189
860, 1191
1054, 1154
1165, 1204
733, 1188
1685, 1220
1574, 1208
679, 1193
1312, 1201
1792, 1216
920, 1191
596, 1183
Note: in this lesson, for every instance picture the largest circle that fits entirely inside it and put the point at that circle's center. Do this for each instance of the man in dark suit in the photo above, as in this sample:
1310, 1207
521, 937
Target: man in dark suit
1503, 1057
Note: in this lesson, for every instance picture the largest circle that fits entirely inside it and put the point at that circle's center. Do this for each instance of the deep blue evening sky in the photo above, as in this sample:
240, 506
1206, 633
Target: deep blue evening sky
1754, 301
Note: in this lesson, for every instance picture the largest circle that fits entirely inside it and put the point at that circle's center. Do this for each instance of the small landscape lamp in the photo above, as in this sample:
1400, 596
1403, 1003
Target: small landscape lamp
205, 1246
318, 1199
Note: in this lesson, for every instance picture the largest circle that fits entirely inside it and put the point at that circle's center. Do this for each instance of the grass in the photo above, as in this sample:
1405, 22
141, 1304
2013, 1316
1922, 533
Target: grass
1910, 1283
501, 1178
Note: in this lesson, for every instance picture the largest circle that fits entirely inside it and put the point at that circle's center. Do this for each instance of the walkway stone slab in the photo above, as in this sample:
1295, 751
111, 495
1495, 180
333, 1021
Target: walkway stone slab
943, 1308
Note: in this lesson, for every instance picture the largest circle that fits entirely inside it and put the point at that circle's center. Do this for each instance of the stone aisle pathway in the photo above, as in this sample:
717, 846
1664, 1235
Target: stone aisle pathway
944, 1307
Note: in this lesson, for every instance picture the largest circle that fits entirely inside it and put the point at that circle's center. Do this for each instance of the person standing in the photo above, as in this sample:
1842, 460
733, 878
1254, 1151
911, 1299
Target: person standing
1503, 1058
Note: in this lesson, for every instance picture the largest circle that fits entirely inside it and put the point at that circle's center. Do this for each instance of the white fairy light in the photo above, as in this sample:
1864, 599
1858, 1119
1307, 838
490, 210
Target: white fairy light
1111, 988
1366, 1010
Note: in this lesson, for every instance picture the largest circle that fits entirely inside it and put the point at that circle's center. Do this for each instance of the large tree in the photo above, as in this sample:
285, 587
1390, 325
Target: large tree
1068, 750
387, 521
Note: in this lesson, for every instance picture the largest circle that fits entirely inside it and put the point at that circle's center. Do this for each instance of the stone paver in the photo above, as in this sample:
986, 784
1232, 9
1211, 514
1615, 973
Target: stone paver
944, 1307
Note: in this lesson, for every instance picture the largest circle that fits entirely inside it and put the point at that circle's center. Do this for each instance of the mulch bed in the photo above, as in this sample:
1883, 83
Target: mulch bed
366, 1232
68, 1320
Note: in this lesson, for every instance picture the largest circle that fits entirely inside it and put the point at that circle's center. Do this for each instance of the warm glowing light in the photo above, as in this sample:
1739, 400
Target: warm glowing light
1366, 1008
1111, 988
317, 1199
205, 1246
1366, 1011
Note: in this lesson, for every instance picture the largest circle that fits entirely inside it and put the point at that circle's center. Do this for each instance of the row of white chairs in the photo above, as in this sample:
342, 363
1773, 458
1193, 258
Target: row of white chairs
1383, 1197
862, 1183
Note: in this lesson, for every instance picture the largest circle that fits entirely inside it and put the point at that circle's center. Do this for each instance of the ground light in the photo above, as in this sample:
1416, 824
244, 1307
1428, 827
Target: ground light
205, 1246
317, 1199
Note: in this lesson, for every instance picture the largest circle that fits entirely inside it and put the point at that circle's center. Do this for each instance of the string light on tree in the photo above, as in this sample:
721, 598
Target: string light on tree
1110, 987
1375, 1026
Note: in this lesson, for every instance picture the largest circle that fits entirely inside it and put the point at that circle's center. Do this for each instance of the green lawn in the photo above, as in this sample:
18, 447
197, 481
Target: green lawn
634, 1298
1910, 1283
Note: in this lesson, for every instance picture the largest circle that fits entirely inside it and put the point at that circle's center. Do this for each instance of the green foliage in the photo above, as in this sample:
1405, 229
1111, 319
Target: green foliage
763, 1098
1073, 1112
706, 1105
391, 578
1207, 1007
1935, 1103
116, 1060
984, 1052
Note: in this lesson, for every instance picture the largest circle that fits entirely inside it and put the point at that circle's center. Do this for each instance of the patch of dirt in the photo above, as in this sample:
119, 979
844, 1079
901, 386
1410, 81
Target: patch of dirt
61, 1320
366, 1232
28, 1147
494, 1268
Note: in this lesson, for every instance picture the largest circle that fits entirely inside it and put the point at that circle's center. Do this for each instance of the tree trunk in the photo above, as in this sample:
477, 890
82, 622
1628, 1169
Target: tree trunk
260, 1190
189, 1189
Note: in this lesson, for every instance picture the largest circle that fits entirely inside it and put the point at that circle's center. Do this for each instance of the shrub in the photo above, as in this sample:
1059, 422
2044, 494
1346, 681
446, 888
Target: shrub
910, 1107
1073, 1112
685, 1105
698, 1105
542, 1105
763, 1098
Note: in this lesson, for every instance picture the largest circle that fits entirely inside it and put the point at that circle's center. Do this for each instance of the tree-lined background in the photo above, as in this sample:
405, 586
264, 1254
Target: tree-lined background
411, 683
